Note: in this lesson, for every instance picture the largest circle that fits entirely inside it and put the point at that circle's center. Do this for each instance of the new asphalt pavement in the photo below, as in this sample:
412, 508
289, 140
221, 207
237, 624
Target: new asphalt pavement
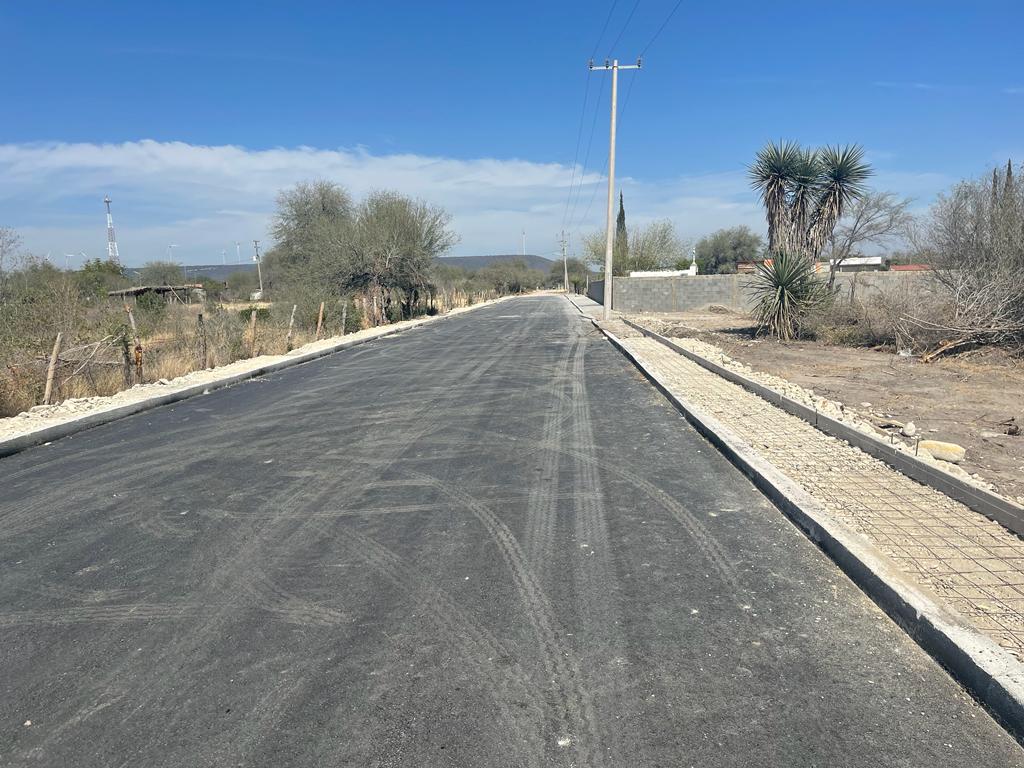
487, 541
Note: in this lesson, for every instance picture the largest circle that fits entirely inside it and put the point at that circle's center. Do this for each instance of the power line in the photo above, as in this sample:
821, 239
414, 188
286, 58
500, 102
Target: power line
604, 170
662, 27
629, 18
586, 157
576, 154
583, 117
604, 28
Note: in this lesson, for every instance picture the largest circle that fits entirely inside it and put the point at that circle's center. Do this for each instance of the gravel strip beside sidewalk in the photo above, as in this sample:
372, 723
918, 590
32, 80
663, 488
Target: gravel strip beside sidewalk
972, 564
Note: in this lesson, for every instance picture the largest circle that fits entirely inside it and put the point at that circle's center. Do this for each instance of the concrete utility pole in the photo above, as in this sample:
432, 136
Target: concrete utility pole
565, 264
614, 67
259, 268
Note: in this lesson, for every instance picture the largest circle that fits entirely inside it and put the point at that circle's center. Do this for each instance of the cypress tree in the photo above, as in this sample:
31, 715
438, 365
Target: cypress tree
621, 247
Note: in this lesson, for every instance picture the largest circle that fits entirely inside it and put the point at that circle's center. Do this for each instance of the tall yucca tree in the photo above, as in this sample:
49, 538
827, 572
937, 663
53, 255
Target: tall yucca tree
842, 181
772, 174
806, 191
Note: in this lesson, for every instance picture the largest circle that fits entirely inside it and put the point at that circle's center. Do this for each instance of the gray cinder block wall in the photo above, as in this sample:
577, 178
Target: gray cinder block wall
685, 294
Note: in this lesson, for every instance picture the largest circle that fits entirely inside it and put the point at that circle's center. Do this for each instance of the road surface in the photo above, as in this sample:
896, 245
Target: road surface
484, 542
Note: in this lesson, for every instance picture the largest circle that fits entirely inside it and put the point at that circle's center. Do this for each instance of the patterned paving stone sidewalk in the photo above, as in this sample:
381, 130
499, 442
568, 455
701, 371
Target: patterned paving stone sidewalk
970, 563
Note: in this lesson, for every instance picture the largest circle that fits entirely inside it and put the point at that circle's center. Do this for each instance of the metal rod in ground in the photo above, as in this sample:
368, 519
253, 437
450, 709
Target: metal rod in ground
54, 356
320, 322
291, 325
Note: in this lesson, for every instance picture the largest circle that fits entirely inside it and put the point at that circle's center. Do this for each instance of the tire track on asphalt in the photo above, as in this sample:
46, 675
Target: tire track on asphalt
473, 640
274, 705
272, 708
542, 507
576, 714
706, 545
242, 566
593, 568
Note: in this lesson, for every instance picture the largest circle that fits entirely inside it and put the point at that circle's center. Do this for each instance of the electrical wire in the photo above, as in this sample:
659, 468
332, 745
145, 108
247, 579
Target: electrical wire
583, 117
661, 28
586, 157
625, 26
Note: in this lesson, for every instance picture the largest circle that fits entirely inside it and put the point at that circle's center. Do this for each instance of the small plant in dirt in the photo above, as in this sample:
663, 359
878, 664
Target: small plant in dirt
785, 290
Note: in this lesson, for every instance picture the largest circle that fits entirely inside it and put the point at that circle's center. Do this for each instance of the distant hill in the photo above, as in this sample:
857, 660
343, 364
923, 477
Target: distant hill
472, 263
217, 272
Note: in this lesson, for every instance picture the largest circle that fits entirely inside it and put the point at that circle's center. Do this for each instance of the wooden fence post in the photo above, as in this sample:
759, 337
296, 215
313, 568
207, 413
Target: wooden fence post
344, 316
138, 345
320, 322
252, 332
201, 332
50, 370
291, 324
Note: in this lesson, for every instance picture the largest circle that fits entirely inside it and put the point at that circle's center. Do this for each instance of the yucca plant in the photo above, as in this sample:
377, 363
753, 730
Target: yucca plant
784, 290
806, 191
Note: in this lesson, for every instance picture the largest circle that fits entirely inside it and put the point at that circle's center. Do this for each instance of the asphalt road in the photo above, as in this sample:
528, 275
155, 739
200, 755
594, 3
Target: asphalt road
484, 542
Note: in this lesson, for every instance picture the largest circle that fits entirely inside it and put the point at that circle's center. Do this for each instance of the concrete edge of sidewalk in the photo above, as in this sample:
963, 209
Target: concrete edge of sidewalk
73, 426
990, 673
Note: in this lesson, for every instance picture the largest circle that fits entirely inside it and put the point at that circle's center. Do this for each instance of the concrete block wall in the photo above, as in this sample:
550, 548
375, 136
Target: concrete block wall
686, 294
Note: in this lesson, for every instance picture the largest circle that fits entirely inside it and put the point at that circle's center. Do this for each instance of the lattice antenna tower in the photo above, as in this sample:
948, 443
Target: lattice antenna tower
111, 240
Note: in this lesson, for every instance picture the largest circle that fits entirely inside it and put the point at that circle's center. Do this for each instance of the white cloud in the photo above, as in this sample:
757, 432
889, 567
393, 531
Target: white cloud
204, 198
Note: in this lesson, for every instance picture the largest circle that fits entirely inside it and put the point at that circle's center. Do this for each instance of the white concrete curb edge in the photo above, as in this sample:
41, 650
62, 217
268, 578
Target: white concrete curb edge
988, 671
86, 421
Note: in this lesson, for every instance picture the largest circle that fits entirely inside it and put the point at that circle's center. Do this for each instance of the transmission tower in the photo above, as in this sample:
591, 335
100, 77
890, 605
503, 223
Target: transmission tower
111, 240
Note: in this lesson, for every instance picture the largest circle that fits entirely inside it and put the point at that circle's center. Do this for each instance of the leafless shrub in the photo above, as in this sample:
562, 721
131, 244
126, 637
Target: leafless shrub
975, 238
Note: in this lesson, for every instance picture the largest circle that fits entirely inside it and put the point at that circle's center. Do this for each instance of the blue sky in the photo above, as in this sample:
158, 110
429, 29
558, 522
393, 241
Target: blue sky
192, 115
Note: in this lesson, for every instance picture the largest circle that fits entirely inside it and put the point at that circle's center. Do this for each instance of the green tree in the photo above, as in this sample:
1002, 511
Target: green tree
162, 273
577, 274
620, 248
97, 276
721, 251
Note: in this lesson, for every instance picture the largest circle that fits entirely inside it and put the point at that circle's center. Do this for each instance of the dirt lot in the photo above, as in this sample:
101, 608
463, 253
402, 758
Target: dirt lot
962, 399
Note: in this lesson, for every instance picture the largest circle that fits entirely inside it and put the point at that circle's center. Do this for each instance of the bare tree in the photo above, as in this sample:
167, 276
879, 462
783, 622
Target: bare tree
394, 242
975, 237
10, 248
876, 219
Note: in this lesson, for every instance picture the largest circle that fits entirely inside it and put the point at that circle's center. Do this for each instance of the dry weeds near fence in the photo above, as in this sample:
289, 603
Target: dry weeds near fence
179, 340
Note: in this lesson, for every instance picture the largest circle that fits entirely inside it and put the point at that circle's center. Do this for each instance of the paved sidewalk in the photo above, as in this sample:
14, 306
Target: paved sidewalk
970, 563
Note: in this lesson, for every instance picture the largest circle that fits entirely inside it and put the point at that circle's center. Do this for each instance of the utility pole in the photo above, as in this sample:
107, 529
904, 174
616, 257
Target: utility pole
609, 242
565, 264
259, 268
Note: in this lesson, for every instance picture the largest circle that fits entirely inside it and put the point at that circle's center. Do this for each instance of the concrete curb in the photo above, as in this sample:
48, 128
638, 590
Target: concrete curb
20, 443
991, 674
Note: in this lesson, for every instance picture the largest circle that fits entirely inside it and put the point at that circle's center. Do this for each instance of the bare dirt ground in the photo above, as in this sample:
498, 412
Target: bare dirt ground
965, 399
